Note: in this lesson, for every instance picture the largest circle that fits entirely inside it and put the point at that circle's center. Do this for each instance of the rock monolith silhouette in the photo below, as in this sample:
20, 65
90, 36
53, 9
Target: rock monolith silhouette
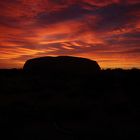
61, 65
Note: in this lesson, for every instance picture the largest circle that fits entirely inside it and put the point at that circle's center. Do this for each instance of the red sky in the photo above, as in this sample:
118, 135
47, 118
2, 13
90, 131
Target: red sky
107, 31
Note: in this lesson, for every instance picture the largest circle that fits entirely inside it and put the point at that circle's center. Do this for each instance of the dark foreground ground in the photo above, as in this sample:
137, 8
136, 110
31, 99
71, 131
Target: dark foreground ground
70, 107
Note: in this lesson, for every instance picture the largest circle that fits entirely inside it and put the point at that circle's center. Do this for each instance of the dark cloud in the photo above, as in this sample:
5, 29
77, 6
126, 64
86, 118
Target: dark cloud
115, 16
134, 35
74, 12
105, 30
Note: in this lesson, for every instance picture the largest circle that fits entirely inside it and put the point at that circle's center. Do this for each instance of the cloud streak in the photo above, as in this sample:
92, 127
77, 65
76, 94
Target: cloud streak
106, 31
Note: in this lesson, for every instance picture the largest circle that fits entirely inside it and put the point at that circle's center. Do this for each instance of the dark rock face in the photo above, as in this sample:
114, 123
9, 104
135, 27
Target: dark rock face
61, 64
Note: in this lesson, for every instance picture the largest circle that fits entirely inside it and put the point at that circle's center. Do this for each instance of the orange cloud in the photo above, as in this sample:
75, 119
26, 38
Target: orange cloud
107, 31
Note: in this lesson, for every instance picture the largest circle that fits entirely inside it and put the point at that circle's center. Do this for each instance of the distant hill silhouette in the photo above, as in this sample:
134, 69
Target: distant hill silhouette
61, 64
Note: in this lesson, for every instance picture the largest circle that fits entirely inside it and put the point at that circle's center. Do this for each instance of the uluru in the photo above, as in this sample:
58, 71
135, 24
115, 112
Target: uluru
61, 64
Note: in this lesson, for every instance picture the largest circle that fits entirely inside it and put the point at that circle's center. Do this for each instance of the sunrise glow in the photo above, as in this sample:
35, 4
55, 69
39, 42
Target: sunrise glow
107, 31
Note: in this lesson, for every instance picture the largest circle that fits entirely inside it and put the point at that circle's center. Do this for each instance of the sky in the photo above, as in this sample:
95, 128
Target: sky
107, 31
